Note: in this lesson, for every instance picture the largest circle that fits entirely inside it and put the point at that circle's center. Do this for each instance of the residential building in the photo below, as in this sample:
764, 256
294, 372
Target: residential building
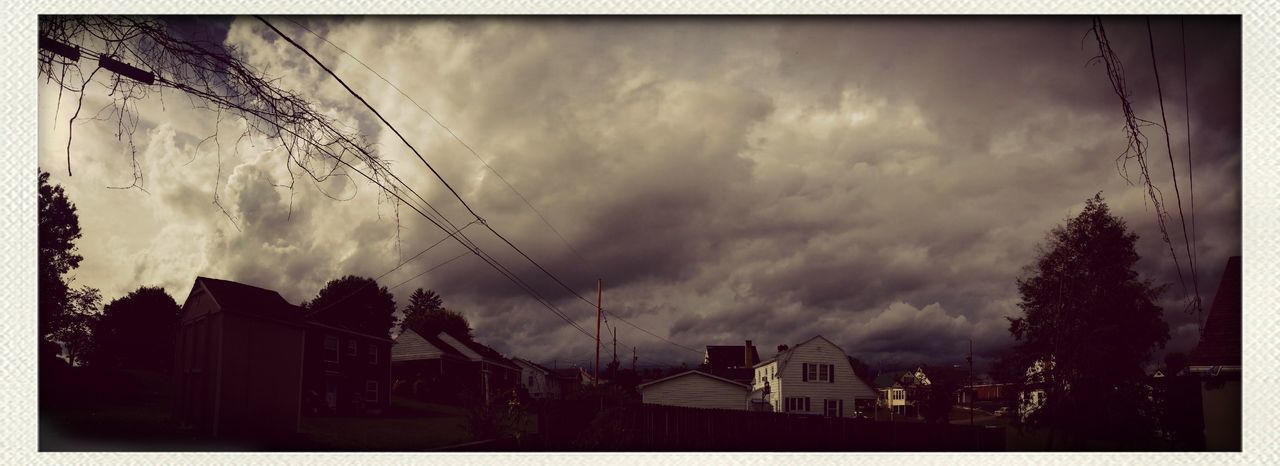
345, 371
814, 377
238, 360
544, 383
1216, 360
734, 362
444, 367
696, 389
902, 393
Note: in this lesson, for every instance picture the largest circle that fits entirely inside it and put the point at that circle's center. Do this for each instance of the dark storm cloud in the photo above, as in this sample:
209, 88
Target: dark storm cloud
879, 181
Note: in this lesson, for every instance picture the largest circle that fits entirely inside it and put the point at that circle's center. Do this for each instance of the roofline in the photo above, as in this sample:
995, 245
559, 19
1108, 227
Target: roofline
688, 372
353, 332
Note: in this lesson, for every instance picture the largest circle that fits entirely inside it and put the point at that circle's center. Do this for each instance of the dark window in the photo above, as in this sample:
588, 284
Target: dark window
373, 354
371, 391
330, 348
352, 348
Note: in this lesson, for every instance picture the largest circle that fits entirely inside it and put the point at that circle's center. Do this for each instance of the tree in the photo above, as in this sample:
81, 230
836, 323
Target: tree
357, 303
1092, 323
426, 314
861, 370
63, 312
136, 331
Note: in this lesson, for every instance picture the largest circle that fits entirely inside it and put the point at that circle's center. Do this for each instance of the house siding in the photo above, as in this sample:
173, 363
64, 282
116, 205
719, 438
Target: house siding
791, 382
696, 391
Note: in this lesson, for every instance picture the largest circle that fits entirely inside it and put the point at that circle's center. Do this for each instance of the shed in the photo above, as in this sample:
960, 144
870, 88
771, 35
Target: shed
696, 389
238, 361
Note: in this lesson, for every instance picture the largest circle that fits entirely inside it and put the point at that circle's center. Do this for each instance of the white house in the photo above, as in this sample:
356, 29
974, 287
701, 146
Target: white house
695, 389
537, 380
814, 377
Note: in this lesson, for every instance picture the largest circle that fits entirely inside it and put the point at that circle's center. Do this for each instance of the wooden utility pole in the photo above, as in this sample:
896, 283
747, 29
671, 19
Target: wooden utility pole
599, 293
633, 359
972, 395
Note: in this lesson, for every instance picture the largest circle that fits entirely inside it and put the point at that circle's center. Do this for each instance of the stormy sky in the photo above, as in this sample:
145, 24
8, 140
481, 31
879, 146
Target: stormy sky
879, 181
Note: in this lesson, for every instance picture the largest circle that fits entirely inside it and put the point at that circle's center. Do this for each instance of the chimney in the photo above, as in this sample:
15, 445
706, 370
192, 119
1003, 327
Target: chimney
781, 348
746, 354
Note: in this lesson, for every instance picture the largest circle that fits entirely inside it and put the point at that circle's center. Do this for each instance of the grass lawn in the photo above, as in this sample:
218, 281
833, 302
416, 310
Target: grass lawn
408, 425
106, 410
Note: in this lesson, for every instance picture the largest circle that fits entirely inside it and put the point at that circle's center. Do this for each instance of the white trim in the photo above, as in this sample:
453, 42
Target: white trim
682, 374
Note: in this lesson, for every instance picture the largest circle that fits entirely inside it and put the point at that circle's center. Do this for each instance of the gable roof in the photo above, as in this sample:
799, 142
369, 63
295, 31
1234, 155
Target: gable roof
466, 345
1221, 345
726, 356
693, 372
413, 346
249, 299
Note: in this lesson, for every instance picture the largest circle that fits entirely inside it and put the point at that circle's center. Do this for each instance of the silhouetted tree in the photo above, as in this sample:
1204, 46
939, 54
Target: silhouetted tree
426, 314
1094, 324
63, 312
136, 332
861, 370
357, 303
940, 396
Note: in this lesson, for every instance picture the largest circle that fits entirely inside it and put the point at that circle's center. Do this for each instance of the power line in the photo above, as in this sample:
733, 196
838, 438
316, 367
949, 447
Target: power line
1191, 178
1186, 239
435, 172
464, 144
424, 272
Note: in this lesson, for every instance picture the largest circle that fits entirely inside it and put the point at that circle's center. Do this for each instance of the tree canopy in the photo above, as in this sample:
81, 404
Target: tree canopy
136, 331
1092, 323
426, 314
356, 303
64, 313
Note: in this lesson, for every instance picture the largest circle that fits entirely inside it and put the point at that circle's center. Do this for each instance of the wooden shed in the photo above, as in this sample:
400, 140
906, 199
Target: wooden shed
238, 362
696, 389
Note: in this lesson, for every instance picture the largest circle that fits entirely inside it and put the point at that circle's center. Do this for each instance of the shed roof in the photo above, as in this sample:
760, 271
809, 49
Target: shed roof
697, 373
249, 299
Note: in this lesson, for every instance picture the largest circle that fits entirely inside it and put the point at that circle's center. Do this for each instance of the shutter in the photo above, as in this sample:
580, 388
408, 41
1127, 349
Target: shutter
841, 403
806, 405
831, 374
804, 372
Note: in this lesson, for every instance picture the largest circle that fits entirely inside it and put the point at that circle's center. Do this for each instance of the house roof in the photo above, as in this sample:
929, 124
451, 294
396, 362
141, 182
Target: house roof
886, 379
249, 299
1221, 345
726, 356
694, 372
407, 348
485, 352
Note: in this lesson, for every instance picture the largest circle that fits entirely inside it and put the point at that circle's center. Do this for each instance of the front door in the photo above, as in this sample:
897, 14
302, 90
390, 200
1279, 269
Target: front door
331, 393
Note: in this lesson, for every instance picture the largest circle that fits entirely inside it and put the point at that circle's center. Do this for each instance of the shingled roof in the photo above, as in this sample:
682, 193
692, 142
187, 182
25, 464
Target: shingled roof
249, 299
1221, 345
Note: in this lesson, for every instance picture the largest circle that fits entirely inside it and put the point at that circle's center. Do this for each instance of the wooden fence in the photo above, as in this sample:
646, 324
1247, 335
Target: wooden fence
643, 427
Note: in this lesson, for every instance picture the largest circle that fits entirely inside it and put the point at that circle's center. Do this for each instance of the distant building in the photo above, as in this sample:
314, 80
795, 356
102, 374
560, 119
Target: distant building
447, 366
814, 377
902, 392
696, 389
542, 382
1216, 360
734, 362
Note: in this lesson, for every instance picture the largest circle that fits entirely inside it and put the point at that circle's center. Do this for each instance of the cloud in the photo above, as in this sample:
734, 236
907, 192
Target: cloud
729, 179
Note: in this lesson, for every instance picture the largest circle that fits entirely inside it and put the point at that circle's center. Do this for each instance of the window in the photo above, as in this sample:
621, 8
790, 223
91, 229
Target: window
796, 403
351, 348
371, 391
530, 381
813, 371
373, 354
330, 348
823, 373
834, 408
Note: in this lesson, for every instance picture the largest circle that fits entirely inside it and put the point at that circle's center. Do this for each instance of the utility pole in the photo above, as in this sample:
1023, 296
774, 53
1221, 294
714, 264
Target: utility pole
972, 395
633, 359
599, 293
